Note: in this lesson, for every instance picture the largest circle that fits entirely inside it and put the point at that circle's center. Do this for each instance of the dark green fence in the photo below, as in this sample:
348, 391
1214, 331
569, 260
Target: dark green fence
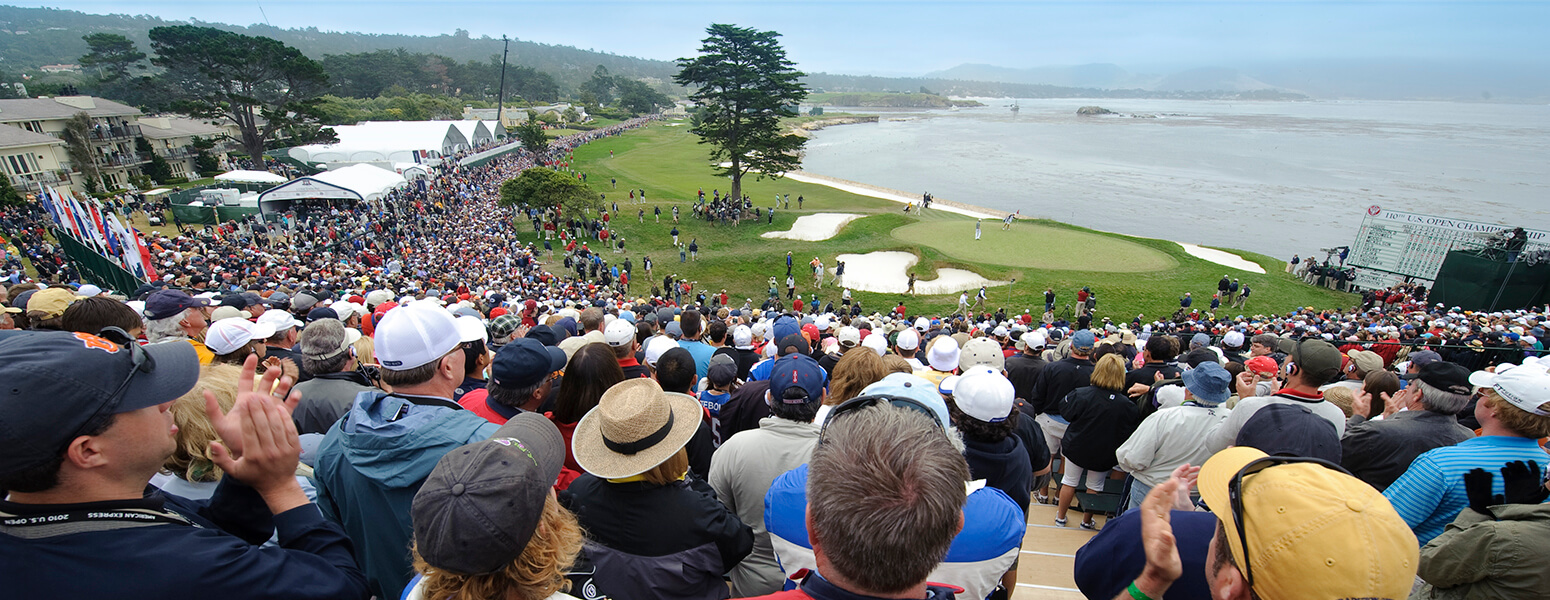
1474, 282
96, 268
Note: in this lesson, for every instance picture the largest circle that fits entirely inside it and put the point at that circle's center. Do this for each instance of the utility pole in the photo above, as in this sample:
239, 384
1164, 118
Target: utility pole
500, 98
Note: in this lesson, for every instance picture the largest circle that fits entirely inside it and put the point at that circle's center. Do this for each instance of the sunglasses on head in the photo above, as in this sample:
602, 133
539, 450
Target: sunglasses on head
858, 403
141, 361
1235, 497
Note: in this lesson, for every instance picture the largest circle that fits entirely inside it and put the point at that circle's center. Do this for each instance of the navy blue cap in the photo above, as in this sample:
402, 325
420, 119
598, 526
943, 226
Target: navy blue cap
800, 371
1290, 430
525, 362
543, 334
322, 312
55, 381
169, 303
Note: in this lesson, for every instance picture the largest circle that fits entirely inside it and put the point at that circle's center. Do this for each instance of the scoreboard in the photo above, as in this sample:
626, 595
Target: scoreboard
1393, 245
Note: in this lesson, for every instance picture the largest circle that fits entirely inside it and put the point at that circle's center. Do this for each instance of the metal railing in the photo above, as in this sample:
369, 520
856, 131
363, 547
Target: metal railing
121, 160
103, 133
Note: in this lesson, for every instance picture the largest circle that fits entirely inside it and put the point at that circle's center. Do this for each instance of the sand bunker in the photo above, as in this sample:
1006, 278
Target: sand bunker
861, 189
885, 272
1226, 259
815, 227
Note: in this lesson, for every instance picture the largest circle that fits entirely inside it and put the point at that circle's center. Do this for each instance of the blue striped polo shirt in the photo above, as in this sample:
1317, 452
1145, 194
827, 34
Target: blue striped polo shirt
1431, 492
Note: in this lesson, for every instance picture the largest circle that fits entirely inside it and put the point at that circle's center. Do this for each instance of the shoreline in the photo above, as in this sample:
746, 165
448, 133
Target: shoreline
1227, 259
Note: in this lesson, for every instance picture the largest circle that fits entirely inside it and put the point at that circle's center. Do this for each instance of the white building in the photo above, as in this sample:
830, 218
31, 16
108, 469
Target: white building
386, 143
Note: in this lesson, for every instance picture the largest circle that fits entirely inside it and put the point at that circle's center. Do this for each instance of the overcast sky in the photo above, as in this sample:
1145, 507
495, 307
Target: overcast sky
911, 38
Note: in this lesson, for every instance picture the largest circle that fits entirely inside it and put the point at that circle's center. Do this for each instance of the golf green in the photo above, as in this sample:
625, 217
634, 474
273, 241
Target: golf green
1035, 246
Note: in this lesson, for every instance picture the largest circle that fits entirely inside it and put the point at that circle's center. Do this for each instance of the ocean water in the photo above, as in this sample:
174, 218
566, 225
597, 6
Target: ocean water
1272, 177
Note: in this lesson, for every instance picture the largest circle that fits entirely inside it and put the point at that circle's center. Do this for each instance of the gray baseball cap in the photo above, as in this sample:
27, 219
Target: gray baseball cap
482, 503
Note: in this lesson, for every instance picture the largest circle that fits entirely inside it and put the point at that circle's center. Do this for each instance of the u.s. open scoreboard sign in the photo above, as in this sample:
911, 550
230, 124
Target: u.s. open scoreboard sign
1393, 245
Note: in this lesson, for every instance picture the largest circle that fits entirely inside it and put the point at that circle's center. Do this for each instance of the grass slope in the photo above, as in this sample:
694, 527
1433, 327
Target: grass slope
671, 166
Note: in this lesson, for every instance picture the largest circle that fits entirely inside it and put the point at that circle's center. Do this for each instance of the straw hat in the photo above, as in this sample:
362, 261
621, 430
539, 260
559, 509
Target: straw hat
635, 427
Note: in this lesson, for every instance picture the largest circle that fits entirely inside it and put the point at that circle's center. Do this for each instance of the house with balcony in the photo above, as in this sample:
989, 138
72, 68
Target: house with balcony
172, 137
33, 160
112, 137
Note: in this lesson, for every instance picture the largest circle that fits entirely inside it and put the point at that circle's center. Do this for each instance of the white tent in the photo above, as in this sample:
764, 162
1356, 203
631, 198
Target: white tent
387, 142
412, 171
477, 132
356, 182
251, 177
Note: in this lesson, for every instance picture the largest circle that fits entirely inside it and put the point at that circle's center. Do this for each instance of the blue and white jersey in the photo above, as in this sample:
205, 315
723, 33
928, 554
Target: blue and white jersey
984, 550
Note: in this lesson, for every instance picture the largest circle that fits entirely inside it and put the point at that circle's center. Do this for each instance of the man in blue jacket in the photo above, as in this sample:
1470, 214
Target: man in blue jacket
373, 461
85, 423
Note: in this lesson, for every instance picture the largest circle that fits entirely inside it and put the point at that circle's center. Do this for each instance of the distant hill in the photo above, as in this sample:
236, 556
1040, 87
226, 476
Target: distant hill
1097, 75
32, 37
1373, 79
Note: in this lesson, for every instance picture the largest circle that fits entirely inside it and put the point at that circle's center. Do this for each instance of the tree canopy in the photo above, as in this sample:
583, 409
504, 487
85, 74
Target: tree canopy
544, 188
531, 134
113, 55
745, 85
262, 85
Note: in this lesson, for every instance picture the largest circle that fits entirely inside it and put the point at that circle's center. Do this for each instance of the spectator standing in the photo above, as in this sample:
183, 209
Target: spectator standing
745, 465
1175, 436
328, 349
1378, 452
373, 460
652, 531
1101, 418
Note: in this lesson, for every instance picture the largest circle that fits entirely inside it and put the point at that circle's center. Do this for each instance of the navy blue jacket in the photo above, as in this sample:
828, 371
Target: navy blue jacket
182, 549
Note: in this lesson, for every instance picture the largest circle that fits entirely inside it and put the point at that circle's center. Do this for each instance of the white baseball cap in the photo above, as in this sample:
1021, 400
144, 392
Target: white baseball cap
985, 396
345, 309
848, 336
1526, 387
278, 320
982, 351
877, 342
619, 333
742, 337
469, 329
656, 346
1233, 339
908, 340
944, 354
230, 335
415, 335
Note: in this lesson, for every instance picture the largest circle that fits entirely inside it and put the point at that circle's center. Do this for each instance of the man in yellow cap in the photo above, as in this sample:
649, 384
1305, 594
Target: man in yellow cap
1288, 528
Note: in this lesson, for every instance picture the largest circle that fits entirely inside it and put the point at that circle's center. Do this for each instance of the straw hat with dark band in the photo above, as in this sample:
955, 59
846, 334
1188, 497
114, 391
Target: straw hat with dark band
635, 427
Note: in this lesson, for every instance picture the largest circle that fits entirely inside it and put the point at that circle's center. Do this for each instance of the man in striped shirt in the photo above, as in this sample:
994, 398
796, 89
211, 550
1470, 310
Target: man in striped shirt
1514, 413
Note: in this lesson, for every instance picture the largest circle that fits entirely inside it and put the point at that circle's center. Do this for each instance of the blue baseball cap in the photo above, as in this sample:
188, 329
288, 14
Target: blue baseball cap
914, 387
168, 303
525, 362
796, 371
80, 376
1083, 340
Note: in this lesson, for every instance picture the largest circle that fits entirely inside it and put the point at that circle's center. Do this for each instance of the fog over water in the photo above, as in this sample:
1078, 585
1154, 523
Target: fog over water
1272, 177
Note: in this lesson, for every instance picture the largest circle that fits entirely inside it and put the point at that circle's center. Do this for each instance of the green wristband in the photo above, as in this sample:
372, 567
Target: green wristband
1136, 592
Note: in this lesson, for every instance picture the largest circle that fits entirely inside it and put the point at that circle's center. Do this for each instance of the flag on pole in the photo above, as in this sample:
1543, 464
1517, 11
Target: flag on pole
145, 254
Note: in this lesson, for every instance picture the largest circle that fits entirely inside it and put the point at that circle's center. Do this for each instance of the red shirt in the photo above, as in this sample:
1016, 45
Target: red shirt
476, 402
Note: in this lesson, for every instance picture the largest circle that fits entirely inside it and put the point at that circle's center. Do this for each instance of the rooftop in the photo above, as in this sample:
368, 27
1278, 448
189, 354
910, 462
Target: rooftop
16, 137
168, 127
62, 107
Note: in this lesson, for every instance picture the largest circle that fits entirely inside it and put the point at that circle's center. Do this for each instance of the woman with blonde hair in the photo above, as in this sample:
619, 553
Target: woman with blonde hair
191, 472
510, 541
853, 372
1101, 418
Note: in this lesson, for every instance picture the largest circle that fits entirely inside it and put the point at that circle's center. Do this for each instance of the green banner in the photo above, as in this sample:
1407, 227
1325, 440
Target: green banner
96, 268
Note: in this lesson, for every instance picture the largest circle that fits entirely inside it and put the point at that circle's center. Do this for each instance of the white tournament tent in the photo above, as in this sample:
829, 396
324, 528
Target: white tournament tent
356, 182
251, 177
386, 142
477, 132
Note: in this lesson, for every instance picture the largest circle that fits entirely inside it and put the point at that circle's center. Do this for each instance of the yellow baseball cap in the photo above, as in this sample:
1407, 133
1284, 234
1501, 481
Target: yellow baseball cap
1314, 531
52, 302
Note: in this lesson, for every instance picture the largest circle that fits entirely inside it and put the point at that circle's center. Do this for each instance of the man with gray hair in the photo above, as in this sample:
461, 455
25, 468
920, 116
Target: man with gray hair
887, 500
1378, 452
328, 350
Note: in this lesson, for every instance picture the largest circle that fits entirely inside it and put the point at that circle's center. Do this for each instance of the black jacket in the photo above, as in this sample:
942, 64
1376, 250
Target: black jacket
1003, 465
1058, 379
1023, 371
1101, 421
658, 541
179, 548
